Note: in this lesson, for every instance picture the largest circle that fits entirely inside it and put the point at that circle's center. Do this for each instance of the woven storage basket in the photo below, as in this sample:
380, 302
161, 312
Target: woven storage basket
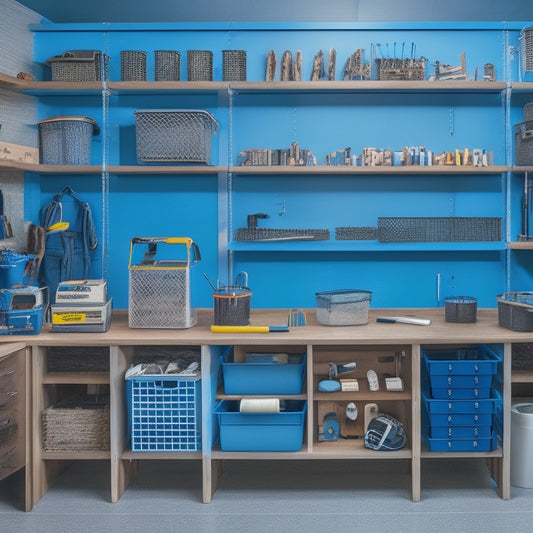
234, 65
76, 424
523, 135
132, 65
199, 65
174, 135
515, 310
167, 65
80, 65
86, 359
66, 140
460, 309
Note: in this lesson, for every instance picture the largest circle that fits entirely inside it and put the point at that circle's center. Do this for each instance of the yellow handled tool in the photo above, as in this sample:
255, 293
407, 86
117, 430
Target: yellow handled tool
248, 329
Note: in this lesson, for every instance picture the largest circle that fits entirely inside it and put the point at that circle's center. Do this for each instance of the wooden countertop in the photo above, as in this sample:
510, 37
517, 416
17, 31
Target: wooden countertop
485, 330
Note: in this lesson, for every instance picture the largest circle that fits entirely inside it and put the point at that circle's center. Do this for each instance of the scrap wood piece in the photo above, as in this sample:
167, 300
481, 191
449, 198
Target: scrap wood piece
317, 71
286, 64
270, 66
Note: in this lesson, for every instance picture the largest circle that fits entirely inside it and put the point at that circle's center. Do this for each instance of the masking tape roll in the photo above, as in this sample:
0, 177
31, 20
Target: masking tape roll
253, 405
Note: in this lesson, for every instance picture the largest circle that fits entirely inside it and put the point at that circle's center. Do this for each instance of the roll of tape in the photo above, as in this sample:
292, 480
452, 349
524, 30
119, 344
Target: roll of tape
255, 405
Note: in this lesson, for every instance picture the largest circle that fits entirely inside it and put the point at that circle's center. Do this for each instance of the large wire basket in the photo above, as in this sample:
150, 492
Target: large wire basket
171, 135
80, 65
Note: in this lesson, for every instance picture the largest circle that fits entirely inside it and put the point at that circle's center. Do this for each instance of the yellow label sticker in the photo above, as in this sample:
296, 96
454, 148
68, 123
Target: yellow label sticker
68, 318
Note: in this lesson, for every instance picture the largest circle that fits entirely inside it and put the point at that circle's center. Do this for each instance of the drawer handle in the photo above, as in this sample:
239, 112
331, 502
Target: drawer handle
7, 373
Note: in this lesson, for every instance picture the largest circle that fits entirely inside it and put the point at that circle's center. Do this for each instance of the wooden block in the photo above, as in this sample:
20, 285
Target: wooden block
18, 153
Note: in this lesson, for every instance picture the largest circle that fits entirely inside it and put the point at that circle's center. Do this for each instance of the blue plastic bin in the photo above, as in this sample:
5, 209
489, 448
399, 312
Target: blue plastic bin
485, 405
460, 362
13, 269
268, 378
463, 445
164, 413
261, 432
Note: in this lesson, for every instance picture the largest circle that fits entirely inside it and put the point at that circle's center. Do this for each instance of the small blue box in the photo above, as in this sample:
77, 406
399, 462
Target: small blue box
268, 378
261, 432
164, 413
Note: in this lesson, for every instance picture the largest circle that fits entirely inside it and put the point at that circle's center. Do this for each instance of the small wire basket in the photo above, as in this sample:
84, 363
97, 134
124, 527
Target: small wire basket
460, 309
232, 306
167, 65
358, 233
132, 65
199, 65
234, 65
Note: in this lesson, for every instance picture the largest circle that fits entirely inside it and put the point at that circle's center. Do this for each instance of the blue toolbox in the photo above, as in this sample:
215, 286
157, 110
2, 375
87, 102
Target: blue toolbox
22, 310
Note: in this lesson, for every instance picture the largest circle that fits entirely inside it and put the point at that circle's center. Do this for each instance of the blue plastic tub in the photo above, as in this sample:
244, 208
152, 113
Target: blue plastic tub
461, 362
460, 393
16, 269
460, 432
460, 419
486, 405
261, 432
264, 377
463, 445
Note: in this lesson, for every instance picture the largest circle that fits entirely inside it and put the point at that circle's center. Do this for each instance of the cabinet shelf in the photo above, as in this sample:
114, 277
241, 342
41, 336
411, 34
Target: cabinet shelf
164, 169
76, 378
363, 396
129, 455
75, 455
425, 453
521, 245
521, 376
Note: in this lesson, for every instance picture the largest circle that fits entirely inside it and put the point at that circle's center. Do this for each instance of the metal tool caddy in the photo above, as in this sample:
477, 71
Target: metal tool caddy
159, 288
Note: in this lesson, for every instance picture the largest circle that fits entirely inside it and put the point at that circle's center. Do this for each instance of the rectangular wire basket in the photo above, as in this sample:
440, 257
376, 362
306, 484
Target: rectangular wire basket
167, 65
439, 229
132, 65
80, 65
523, 135
174, 135
234, 65
199, 65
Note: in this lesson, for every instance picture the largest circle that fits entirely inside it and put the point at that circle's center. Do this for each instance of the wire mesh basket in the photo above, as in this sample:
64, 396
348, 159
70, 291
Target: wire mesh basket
160, 290
460, 309
199, 65
80, 65
274, 234
232, 306
401, 69
528, 112
360, 233
167, 65
234, 65
66, 140
343, 307
526, 49
132, 65
172, 135
439, 229
523, 135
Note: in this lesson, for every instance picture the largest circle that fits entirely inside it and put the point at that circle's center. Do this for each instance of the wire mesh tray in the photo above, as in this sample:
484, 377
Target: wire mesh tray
358, 233
267, 234
439, 229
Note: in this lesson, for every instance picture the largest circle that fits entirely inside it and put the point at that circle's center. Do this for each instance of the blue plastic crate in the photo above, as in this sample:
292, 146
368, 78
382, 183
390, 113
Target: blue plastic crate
16, 269
463, 382
463, 445
461, 361
484, 405
261, 432
164, 413
460, 432
456, 393
22, 321
460, 419
264, 377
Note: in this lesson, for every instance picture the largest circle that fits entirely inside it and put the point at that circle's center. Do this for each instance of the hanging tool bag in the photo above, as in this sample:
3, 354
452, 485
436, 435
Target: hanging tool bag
5, 227
69, 242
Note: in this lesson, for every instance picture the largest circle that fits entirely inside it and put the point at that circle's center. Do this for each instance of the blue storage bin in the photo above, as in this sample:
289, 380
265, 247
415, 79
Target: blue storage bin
463, 445
460, 419
261, 432
164, 413
486, 405
462, 361
460, 394
460, 432
22, 321
16, 269
265, 377
463, 382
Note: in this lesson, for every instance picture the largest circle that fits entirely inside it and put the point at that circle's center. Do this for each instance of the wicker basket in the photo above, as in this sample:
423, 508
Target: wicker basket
515, 310
199, 65
234, 65
66, 140
132, 65
173, 135
76, 424
523, 135
167, 65
80, 65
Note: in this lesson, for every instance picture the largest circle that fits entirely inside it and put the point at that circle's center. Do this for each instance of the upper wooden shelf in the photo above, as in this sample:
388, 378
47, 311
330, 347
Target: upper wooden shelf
212, 87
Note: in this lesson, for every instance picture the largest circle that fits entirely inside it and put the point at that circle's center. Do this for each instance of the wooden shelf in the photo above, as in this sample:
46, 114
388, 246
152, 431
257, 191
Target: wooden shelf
410, 170
76, 378
521, 245
75, 455
522, 376
128, 455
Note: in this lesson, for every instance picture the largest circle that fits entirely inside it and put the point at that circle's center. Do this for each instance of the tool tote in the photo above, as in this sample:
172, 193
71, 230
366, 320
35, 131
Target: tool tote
70, 239
159, 284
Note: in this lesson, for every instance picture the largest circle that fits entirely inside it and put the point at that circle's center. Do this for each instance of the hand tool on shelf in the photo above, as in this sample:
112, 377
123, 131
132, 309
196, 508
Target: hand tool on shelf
416, 320
249, 329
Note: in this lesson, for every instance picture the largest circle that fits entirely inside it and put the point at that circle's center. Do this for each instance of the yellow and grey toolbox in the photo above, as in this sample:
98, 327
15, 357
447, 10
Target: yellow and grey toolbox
159, 285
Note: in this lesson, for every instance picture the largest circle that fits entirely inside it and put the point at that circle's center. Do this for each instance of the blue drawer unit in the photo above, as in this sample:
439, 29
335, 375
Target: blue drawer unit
460, 399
